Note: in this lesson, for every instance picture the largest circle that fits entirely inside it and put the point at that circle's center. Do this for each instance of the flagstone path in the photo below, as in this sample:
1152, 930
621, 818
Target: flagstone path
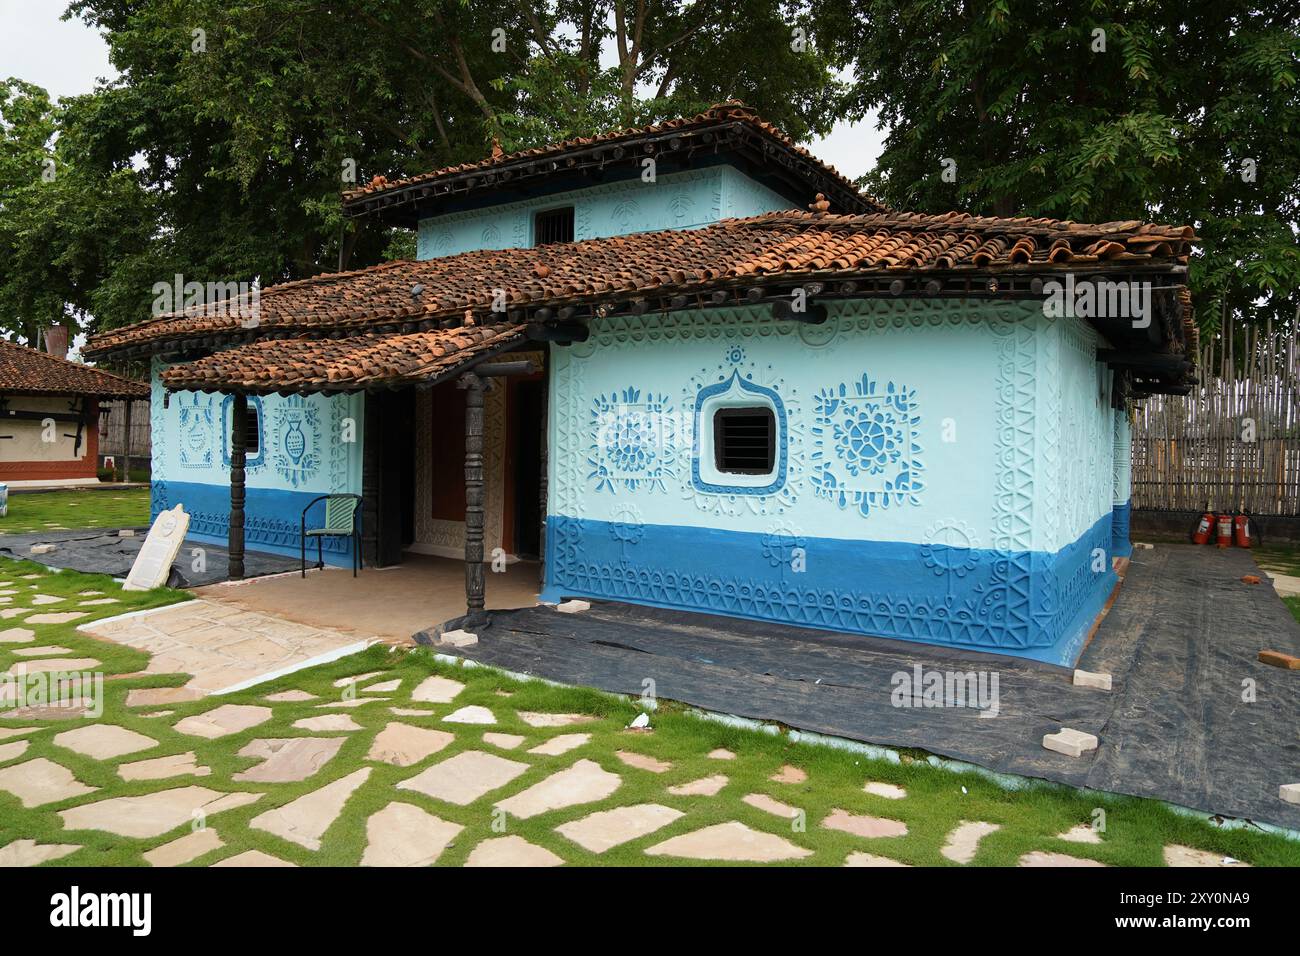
220, 646
388, 758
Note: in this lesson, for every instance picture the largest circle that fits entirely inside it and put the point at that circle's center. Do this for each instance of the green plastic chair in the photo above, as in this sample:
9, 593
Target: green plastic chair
342, 520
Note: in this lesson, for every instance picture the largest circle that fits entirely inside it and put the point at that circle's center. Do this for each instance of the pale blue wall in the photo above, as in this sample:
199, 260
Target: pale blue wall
981, 515
302, 454
674, 201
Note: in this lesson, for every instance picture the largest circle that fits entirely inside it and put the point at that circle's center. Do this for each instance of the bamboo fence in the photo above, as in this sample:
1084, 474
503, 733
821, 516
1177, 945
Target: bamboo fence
112, 432
1234, 442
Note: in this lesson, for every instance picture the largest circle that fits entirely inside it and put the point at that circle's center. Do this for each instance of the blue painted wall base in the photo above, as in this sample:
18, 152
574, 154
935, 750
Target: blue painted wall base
271, 518
1120, 544
1029, 604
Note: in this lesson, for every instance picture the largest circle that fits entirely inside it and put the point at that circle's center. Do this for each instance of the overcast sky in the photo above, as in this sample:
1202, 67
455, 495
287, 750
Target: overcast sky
66, 58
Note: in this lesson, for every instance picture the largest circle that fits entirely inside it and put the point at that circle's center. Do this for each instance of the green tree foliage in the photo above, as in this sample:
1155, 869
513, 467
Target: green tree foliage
1095, 110
221, 151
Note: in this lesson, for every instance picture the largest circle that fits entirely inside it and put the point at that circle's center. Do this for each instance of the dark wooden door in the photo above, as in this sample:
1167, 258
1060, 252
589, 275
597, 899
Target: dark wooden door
395, 418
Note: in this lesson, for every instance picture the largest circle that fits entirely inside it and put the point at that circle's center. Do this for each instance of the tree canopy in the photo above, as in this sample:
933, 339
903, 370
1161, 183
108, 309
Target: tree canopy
222, 148
1095, 110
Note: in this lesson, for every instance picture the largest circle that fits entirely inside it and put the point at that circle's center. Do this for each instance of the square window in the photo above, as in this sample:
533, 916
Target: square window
553, 225
744, 440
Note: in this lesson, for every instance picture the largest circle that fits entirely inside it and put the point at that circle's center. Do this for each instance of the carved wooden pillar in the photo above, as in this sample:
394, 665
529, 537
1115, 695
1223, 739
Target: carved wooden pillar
546, 431
238, 444
475, 585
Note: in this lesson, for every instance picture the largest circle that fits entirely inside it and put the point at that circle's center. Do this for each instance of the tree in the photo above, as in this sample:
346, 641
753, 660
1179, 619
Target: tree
1095, 110
244, 121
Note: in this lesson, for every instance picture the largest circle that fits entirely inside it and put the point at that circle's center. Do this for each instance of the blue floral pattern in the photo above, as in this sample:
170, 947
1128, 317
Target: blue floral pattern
633, 441
865, 449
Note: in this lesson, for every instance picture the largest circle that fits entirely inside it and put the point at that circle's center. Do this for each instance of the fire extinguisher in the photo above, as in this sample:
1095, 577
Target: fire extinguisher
1242, 531
1203, 527
1223, 538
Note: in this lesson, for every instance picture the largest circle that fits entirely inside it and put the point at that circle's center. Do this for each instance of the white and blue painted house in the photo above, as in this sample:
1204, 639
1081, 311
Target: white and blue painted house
845, 419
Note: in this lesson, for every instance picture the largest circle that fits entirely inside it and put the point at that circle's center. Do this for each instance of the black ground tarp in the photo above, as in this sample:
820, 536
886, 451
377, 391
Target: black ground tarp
1181, 644
104, 552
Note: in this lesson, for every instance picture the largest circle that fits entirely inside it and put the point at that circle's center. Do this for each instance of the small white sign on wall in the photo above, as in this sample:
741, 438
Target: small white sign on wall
154, 562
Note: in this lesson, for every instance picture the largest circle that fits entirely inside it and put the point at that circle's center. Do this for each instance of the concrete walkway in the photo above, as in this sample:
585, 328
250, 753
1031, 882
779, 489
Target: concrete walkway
387, 603
223, 648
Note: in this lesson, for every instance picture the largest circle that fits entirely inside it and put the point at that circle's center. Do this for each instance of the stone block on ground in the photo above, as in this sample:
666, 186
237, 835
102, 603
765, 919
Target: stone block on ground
1072, 743
458, 638
1091, 679
1290, 792
573, 607
1279, 659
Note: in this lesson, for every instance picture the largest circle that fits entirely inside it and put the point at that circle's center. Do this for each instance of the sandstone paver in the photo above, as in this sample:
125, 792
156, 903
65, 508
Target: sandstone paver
253, 858
224, 720
561, 744
964, 840
473, 714
789, 774
761, 801
436, 690
584, 782
328, 722
39, 781
1177, 855
535, 719
160, 768
465, 777
189, 847
290, 696
403, 835
103, 741
305, 820
643, 761
288, 759
605, 829
153, 814
511, 851
888, 791
504, 741
402, 745
704, 787
869, 859
1041, 858
864, 826
733, 842
30, 853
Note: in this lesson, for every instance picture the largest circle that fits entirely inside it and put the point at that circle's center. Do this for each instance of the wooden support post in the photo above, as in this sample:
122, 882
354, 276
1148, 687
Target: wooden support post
238, 444
126, 441
475, 585
542, 484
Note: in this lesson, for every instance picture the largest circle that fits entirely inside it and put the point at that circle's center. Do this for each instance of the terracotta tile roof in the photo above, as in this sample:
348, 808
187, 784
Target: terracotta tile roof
730, 256
342, 364
498, 167
27, 371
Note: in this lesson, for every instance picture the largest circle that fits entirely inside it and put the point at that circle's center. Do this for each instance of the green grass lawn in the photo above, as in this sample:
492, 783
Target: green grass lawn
937, 800
34, 511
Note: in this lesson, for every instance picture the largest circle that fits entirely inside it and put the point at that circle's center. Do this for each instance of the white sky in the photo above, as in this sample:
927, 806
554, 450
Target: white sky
66, 58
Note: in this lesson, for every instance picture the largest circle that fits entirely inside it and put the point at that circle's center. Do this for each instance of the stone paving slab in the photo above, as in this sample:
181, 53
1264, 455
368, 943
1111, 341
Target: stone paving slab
585, 782
404, 835
224, 720
404, 746
160, 768
153, 814
288, 759
511, 851
606, 829
31, 853
305, 820
183, 850
730, 842
103, 741
220, 646
39, 781
253, 858
464, 778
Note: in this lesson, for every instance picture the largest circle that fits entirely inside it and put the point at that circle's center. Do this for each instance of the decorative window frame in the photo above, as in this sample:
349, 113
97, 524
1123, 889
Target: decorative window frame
255, 407
736, 392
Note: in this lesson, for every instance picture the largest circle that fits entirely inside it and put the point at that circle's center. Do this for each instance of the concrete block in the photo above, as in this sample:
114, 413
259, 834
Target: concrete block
573, 607
459, 638
44, 548
1290, 792
126, 533
1091, 679
1279, 659
1072, 743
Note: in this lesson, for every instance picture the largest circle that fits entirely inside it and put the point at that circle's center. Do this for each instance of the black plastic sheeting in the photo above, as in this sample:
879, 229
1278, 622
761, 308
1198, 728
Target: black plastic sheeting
104, 552
1181, 644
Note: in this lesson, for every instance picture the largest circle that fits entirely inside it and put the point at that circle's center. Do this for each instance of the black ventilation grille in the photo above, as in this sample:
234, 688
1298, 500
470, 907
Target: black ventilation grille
553, 225
744, 440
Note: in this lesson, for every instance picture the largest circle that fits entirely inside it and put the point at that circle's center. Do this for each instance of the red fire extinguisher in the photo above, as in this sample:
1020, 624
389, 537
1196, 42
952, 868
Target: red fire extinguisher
1242, 531
1203, 527
1223, 537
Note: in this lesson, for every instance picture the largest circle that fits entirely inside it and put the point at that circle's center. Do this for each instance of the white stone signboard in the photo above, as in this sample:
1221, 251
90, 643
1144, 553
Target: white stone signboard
154, 562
